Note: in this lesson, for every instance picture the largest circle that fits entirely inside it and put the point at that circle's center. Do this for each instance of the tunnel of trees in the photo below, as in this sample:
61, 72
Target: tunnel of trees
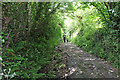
31, 31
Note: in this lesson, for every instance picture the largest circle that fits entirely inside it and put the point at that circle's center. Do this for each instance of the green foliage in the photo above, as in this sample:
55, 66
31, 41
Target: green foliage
97, 31
30, 37
31, 30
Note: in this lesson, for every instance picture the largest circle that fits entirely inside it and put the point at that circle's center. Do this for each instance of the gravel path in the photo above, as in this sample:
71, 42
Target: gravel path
84, 65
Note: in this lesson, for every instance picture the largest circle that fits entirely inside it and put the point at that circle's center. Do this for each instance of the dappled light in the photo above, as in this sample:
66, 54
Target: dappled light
81, 50
72, 70
60, 40
75, 33
90, 59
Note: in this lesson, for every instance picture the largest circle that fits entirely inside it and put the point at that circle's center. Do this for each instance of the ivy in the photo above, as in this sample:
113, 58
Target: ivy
29, 37
31, 31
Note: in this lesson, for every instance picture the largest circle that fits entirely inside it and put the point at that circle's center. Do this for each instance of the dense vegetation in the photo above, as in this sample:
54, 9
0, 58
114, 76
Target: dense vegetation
31, 31
95, 29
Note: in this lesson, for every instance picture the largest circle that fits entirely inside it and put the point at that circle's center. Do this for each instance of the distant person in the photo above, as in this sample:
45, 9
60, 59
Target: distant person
67, 40
64, 38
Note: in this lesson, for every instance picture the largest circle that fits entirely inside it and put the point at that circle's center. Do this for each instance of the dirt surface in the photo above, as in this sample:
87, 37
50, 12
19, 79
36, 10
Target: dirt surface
78, 64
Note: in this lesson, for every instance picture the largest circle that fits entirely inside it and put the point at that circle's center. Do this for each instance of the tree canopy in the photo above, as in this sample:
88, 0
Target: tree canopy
31, 31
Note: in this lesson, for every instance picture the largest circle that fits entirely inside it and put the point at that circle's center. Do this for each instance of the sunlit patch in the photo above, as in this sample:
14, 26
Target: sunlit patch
74, 54
68, 21
81, 50
71, 47
72, 70
92, 73
81, 72
70, 0
66, 74
77, 51
75, 34
90, 59
110, 70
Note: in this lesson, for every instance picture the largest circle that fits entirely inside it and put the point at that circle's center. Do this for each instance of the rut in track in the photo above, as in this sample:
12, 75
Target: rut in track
80, 64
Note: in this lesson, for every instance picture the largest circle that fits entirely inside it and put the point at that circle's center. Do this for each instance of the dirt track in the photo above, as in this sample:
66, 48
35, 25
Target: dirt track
80, 64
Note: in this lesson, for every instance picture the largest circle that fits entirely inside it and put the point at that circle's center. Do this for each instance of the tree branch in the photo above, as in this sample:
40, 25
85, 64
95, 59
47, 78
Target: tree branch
54, 9
107, 9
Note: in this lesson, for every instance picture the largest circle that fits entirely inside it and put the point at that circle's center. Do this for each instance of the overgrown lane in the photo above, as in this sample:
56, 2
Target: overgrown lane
84, 65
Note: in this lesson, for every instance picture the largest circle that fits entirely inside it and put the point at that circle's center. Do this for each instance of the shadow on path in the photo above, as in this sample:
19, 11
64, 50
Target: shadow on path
80, 64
